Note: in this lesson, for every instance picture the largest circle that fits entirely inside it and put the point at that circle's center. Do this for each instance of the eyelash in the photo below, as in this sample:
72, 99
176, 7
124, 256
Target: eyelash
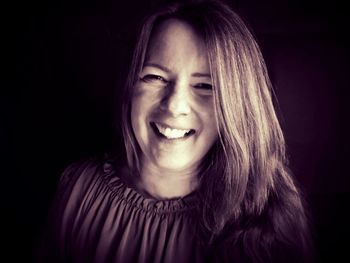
203, 86
152, 78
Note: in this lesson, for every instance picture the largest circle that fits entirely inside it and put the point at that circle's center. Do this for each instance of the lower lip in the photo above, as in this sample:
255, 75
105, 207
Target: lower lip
162, 137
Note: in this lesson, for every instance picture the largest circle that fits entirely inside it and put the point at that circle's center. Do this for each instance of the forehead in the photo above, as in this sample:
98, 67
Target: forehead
174, 26
174, 36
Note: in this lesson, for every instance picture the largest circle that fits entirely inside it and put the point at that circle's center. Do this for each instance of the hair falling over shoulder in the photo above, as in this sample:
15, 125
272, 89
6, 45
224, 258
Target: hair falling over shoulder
250, 205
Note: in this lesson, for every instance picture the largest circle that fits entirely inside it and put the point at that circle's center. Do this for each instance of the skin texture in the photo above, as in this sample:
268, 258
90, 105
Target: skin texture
174, 91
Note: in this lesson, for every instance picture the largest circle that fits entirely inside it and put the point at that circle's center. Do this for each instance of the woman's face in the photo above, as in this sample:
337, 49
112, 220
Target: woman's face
172, 110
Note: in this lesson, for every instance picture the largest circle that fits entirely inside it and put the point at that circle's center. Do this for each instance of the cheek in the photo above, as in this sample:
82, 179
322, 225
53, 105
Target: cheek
209, 121
211, 130
145, 99
137, 106
142, 106
138, 103
135, 111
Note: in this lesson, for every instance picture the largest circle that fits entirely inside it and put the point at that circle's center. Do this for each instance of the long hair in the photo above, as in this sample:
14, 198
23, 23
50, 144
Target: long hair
246, 189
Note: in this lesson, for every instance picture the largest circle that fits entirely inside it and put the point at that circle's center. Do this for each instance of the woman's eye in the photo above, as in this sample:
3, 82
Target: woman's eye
153, 78
203, 86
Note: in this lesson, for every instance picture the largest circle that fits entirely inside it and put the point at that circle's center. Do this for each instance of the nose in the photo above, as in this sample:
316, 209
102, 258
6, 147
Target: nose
176, 100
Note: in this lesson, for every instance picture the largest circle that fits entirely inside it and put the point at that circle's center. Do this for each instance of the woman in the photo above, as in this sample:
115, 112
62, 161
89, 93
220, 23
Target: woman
206, 179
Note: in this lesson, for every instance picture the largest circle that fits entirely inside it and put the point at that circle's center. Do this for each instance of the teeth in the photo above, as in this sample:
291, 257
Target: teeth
171, 133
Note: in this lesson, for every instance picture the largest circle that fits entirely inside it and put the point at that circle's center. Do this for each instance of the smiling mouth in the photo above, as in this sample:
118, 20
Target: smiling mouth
170, 133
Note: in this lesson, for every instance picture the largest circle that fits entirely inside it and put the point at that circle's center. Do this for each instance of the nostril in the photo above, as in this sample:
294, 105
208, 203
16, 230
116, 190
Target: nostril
176, 103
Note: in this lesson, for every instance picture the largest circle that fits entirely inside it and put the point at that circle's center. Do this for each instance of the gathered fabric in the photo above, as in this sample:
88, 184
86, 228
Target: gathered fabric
97, 217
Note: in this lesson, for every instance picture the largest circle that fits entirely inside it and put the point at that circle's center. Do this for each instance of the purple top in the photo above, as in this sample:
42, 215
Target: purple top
96, 217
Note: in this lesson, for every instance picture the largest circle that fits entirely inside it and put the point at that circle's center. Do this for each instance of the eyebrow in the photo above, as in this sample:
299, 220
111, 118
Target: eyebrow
155, 65
201, 75
196, 74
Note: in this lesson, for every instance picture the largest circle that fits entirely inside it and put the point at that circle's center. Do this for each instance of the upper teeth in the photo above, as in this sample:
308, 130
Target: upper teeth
171, 133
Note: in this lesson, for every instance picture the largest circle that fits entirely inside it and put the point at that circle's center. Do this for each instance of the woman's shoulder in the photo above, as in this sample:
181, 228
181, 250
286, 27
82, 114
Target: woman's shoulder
84, 173
82, 169
277, 234
76, 168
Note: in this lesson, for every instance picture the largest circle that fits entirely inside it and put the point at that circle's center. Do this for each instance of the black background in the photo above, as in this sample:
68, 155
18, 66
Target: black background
62, 103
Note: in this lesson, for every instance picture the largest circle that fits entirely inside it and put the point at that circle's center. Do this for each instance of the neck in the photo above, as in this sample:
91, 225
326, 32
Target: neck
167, 184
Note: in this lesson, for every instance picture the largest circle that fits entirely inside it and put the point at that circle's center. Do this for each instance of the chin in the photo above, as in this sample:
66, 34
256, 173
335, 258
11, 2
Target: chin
175, 164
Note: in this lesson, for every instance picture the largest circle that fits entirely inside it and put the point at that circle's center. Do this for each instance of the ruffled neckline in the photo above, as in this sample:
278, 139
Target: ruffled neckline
133, 197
